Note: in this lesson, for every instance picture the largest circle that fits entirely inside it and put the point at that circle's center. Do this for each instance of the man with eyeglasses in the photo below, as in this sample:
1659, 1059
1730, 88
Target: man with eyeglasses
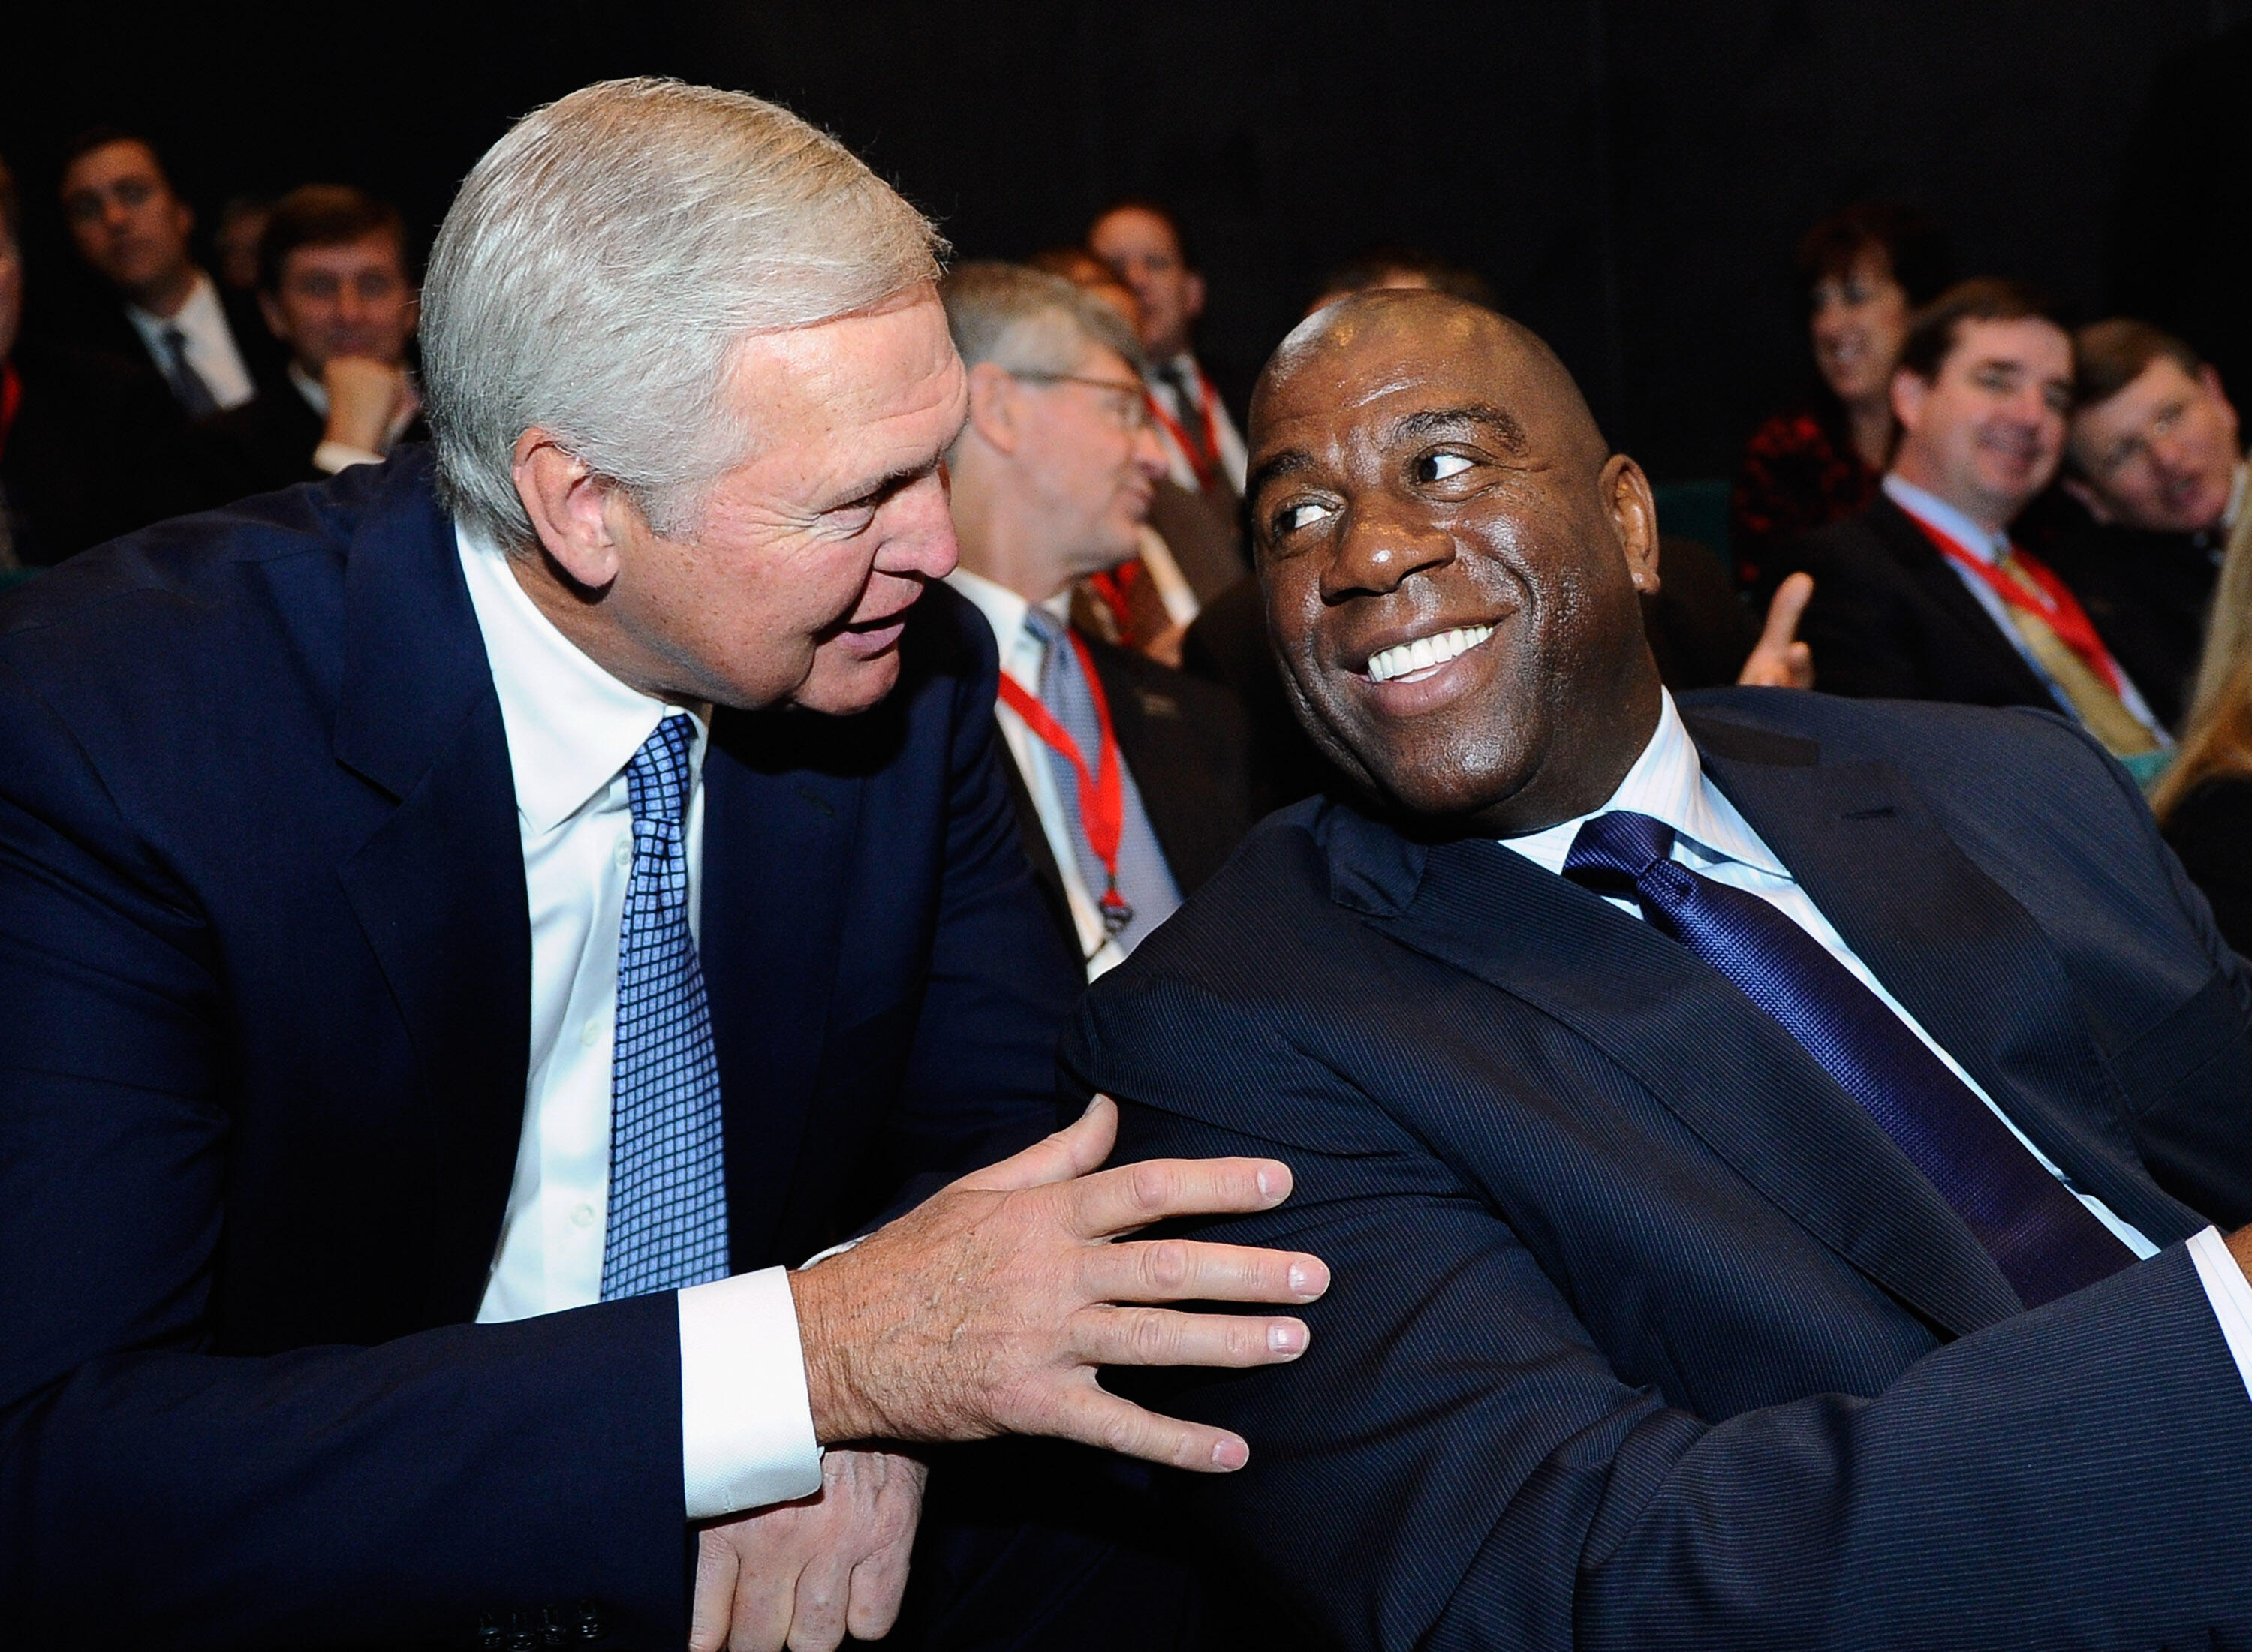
1925, 595
1130, 776
2157, 460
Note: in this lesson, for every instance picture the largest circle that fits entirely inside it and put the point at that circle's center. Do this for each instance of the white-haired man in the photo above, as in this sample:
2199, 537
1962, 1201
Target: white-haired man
464, 924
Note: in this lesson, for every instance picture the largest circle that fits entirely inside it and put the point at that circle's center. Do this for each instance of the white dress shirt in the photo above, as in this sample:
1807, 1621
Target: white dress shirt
1022, 653
205, 340
747, 1423
1668, 783
1990, 548
1234, 458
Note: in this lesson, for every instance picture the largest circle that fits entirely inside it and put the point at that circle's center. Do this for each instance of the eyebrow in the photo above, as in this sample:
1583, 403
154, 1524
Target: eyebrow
1482, 415
1290, 462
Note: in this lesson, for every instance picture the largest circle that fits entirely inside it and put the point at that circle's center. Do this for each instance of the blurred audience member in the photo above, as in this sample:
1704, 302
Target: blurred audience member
1129, 776
1861, 271
131, 227
2204, 800
1923, 596
2157, 462
1192, 546
1401, 267
1142, 242
334, 286
86, 438
234, 244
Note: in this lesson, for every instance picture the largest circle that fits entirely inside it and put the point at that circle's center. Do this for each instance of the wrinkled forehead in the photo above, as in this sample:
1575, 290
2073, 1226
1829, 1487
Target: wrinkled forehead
1381, 374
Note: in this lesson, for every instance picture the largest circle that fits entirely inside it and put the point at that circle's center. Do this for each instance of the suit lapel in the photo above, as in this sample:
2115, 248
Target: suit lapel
1939, 581
778, 843
438, 887
1728, 1073
1964, 958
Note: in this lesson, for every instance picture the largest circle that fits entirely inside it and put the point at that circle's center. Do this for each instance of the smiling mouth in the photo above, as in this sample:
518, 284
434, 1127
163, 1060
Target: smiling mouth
1409, 662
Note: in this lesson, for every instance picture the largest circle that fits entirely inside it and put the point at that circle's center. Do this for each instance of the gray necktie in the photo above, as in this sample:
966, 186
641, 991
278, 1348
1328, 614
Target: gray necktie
188, 386
1143, 879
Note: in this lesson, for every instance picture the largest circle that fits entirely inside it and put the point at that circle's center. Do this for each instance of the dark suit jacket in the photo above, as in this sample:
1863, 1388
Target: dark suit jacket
95, 451
1643, 1334
1183, 741
266, 961
92, 319
1891, 618
2148, 595
264, 445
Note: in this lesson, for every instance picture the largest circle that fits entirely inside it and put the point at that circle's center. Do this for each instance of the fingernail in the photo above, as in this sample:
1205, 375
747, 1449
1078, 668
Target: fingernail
1299, 1280
1266, 1184
1230, 1454
1284, 1339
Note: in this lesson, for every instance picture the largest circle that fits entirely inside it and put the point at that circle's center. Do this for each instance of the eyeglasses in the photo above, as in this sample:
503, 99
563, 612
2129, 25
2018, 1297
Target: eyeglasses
1130, 404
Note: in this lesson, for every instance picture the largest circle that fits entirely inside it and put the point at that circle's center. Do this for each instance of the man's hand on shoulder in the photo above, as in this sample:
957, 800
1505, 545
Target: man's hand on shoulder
986, 1310
801, 1574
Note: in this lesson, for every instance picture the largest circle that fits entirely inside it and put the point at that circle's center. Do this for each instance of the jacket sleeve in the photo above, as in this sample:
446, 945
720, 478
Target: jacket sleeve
981, 1076
156, 1489
1453, 1464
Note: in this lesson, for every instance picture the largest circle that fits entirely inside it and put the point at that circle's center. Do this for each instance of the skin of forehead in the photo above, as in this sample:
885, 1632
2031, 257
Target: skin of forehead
1377, 343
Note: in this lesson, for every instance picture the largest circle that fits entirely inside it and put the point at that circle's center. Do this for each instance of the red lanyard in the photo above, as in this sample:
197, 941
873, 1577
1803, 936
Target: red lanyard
1102, 793
1206, 468
2053, 602
11, 397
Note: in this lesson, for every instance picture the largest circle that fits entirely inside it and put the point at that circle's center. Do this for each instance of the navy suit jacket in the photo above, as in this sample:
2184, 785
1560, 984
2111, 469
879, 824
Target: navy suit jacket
1643, 1334
265, 1002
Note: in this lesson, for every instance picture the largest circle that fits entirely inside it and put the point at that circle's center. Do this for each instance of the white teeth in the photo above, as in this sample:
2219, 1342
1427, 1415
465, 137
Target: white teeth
1426, 653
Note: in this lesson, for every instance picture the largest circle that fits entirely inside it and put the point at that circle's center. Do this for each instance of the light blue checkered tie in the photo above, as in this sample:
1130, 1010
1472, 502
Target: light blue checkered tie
1143, 879
668, 1207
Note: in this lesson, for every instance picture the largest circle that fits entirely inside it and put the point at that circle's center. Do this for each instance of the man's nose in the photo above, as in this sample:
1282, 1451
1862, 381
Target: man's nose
1379, 547
921, 541
1150, 454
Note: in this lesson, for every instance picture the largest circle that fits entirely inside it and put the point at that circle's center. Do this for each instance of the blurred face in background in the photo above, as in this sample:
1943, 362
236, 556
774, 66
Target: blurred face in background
1143, 250
1090, 460
127, 223
1858, 323
353, 299
235, 243
1986, 433
2160, 453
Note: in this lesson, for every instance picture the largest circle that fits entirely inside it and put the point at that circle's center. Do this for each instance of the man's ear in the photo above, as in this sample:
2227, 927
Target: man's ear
1634, 515
994, 411
1908, 394
276, 324
1192, 295
2209, 376
2090, 501
569, 508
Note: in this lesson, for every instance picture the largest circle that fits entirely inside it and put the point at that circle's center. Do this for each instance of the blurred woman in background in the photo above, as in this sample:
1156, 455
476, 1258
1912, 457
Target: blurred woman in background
1862, 272
2204, 799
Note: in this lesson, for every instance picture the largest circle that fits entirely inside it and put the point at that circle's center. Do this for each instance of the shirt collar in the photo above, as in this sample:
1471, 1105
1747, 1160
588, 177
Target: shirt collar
197, 315
1934, 512
571, 726
1005, 609
315, 392
1667, 782
2235, 506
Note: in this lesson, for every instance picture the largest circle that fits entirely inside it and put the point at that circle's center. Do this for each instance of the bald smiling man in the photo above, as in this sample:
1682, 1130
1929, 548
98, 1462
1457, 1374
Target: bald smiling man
1774, 1152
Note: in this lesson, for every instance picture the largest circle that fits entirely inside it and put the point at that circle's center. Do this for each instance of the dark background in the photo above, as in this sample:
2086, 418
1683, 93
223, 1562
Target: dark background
1631, 175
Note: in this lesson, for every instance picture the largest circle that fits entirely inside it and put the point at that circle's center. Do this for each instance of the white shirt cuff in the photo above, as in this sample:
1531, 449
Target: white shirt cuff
2230, 1293
746, 1420
333, 456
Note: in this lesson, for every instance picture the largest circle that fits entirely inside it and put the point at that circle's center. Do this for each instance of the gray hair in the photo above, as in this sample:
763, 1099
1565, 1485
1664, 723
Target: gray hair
602, 262
1027, 321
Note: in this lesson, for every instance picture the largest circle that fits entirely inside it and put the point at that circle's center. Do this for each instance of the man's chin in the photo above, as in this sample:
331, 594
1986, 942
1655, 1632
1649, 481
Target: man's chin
840, 686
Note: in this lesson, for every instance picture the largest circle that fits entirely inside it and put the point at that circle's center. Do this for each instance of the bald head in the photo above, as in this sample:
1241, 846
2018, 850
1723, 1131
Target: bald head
1451, 554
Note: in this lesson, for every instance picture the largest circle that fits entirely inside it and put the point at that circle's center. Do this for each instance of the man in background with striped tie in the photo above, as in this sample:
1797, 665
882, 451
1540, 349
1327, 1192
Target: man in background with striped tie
1787, 1161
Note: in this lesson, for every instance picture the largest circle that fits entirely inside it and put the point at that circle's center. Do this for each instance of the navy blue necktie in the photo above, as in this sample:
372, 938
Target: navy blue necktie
2045, 1242
667, 1222
188, 385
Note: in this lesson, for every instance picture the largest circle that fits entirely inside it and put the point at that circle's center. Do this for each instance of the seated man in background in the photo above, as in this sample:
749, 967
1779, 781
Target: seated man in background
1923, 596
88, 441
1734, 1125
131, 227
1129, 776
2157, 460
334, 286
